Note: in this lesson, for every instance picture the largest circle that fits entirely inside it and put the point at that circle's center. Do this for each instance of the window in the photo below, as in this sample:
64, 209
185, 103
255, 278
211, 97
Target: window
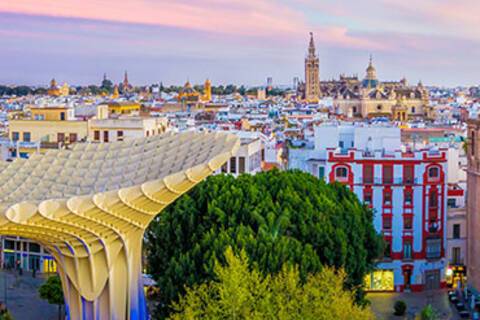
408, 175
26, 137
73, 137
62, 116
241, 164
456, 231
368, 174
15, 136
408, 197
413, 110
452, 203
433, 200
321, 172
433, 173
379, 107
61, 137
472, 143
434, 248
105, 136
407, 223
120, 135
354, 110
387, 253
407, 249
9, 244
379, 280
456, 256
387, 197
367, 197
387, 174
341, 173
233, 165
96, 135
224, 168
387, 223
34, 247
341, 144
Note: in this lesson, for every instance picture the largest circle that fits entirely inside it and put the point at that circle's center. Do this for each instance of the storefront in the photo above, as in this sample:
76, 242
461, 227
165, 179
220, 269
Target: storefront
456, 275
379, 280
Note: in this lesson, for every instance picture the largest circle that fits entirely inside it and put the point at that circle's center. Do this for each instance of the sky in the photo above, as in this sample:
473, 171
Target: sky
237, 41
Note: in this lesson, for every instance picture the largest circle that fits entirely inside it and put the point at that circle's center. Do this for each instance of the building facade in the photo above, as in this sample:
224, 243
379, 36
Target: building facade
407, 191
473, 205
120, 129
17, 252
249, 156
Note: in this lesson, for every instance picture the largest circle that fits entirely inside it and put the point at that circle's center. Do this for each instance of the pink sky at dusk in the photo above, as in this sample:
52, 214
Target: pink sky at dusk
239, 41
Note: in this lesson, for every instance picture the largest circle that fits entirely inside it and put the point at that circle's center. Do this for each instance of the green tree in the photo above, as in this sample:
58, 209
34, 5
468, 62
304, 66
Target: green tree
428, 313
276, 217
241, 292
52, 291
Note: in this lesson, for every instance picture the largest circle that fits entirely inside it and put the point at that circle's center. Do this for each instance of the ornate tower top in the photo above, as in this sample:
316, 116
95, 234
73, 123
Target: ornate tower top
125, 78
311, 47
371, 71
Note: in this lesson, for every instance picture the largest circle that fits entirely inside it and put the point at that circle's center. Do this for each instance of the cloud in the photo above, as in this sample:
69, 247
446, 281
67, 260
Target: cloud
247, 17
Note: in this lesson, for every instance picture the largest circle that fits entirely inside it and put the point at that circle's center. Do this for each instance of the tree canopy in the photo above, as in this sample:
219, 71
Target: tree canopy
276, 217
242, 292
52, 291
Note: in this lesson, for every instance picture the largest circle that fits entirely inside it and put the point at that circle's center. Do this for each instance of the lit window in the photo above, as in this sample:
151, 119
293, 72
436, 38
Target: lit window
379, 280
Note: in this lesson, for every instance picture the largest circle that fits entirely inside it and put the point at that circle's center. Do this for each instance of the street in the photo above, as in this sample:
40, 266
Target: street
22, 297
382, 304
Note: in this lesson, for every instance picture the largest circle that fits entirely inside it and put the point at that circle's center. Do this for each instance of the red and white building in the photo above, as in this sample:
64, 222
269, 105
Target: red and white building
406, 189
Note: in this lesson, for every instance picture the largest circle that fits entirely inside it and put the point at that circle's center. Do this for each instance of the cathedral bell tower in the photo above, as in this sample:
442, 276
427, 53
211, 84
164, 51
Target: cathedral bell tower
312, 74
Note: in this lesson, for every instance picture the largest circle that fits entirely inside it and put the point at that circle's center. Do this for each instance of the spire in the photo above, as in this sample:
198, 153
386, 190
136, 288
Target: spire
105, 76
125, 78
371, 71
311, 46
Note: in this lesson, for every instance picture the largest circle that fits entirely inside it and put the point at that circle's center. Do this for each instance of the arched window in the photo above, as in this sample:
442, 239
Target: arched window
379, 107
341, 173
433, 173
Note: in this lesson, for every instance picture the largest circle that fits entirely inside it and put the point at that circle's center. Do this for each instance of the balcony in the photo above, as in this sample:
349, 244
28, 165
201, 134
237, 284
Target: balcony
393, 182
456, 261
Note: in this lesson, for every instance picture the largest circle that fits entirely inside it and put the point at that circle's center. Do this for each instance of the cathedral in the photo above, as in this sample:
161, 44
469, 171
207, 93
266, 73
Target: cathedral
366, 98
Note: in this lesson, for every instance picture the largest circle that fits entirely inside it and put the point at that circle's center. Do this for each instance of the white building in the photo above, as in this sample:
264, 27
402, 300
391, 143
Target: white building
249, 156
406, 189
122, 128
